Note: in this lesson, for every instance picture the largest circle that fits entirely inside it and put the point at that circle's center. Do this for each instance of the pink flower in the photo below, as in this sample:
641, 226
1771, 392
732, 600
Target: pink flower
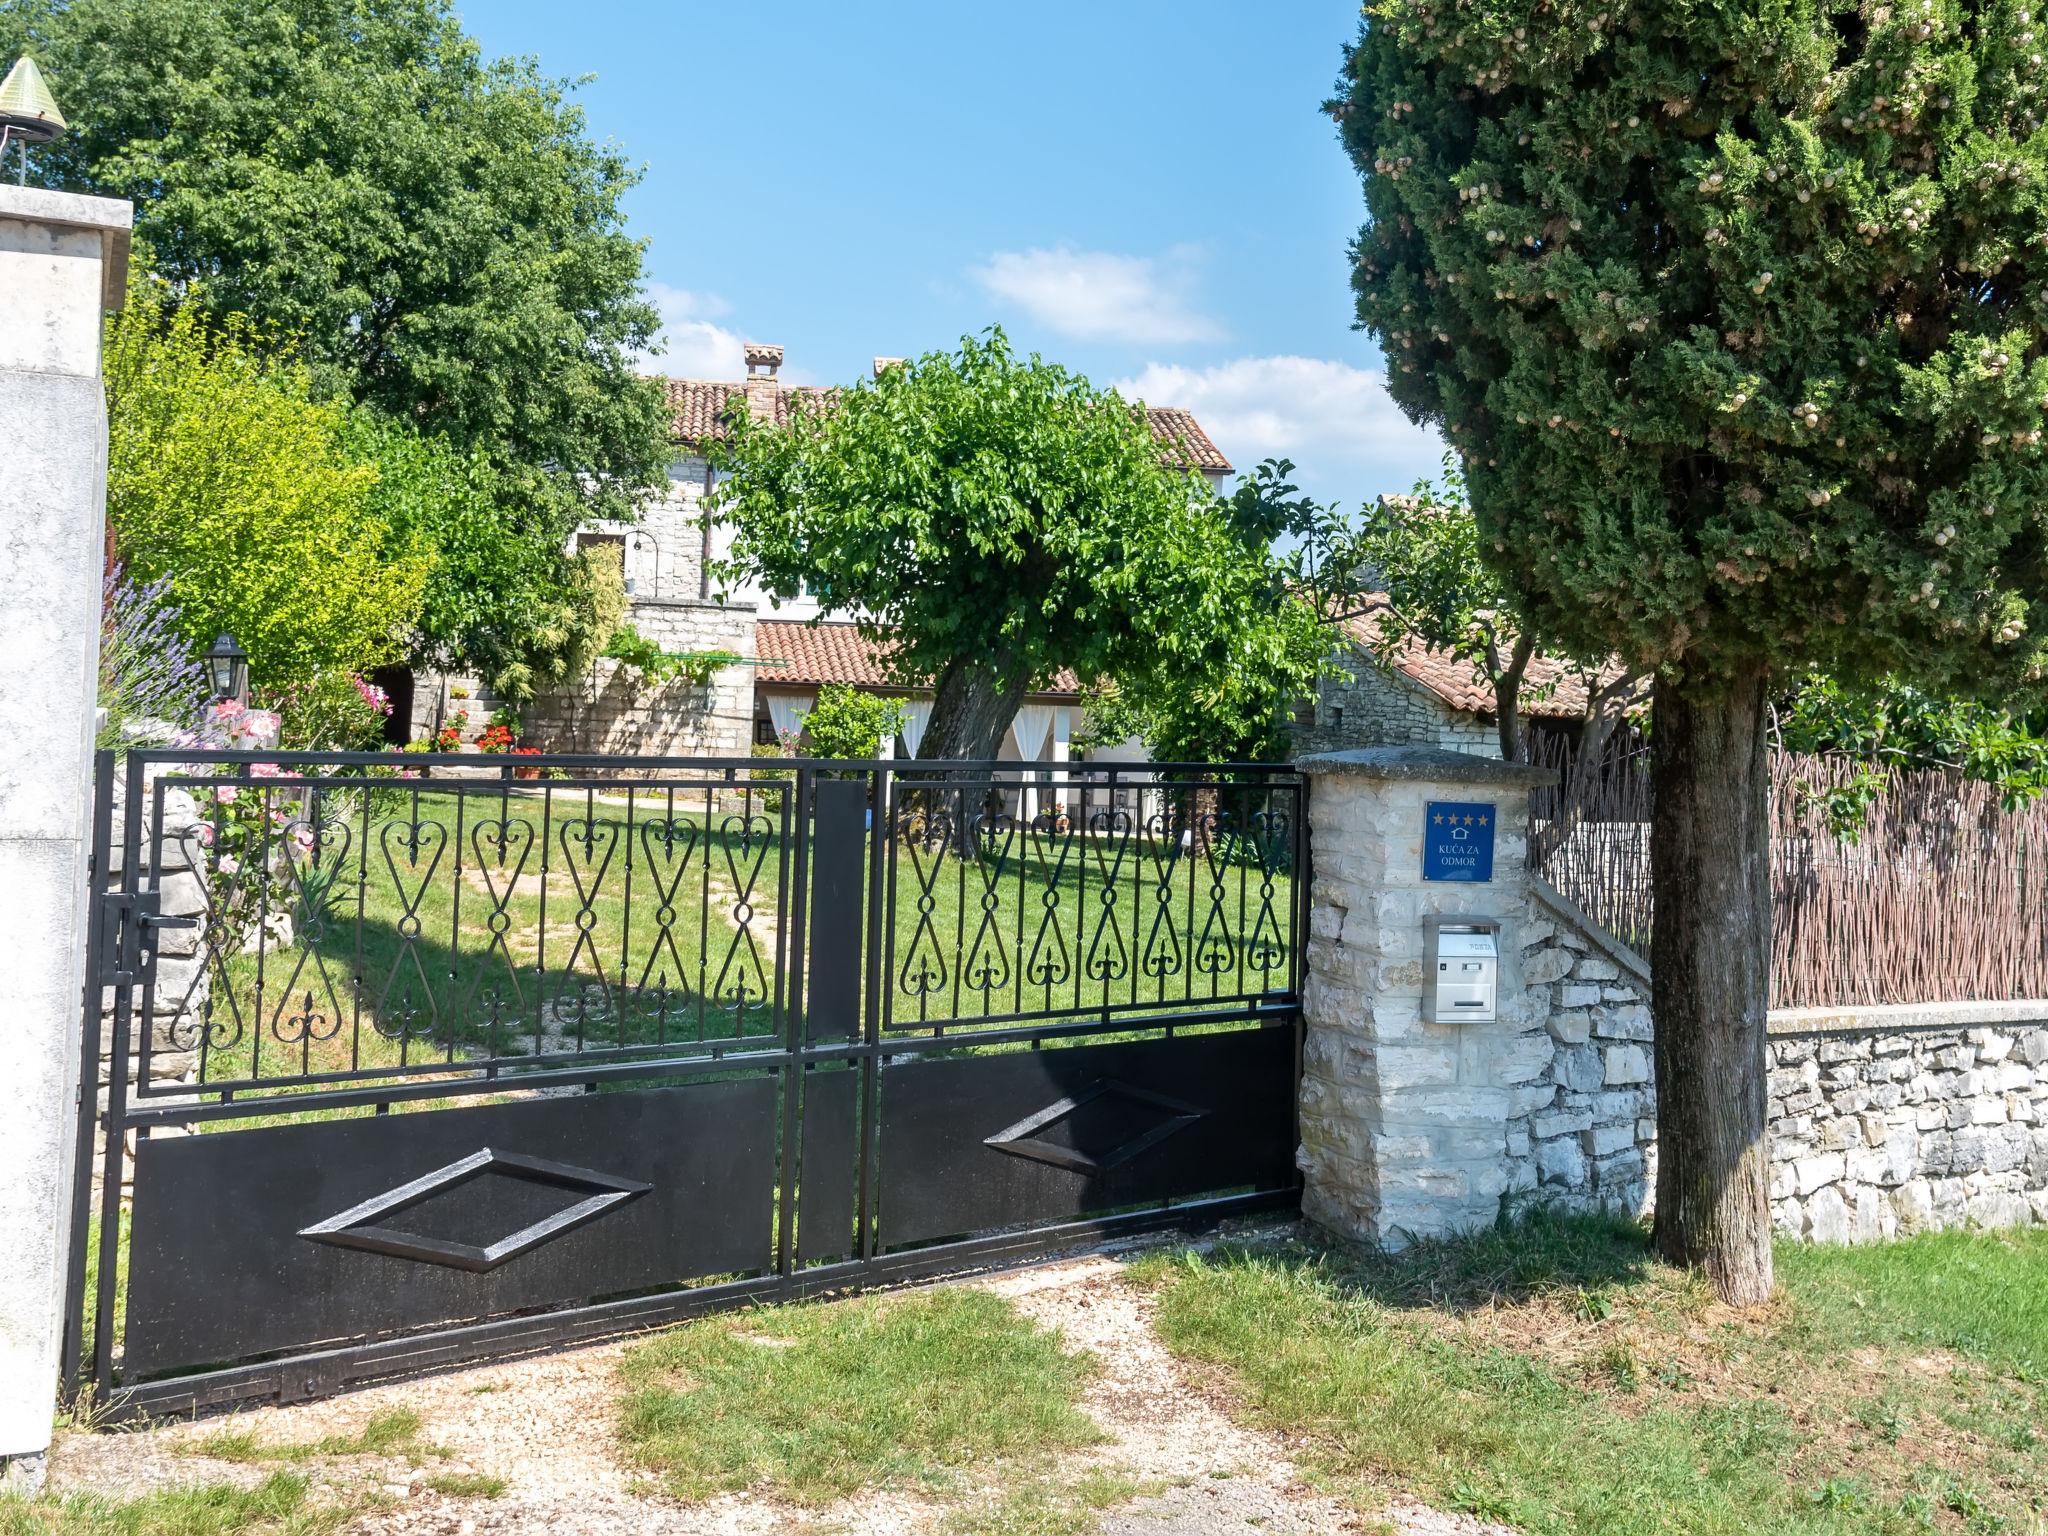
303, 837
264, 771
225, 794
228, 864
205, 835
373, 696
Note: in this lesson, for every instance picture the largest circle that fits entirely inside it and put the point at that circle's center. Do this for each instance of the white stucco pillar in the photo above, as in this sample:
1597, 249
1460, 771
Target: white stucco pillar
63, 264
1404, 1122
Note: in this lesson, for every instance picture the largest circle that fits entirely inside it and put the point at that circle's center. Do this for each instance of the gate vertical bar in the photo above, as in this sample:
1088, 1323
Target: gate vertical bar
71, 1349
127, 951
881, 854
791, 938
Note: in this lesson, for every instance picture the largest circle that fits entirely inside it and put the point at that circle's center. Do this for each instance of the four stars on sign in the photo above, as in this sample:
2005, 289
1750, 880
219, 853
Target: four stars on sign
1456, 821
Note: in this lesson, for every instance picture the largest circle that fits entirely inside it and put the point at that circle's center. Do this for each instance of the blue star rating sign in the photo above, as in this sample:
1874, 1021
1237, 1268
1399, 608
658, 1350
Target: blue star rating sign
1457, 841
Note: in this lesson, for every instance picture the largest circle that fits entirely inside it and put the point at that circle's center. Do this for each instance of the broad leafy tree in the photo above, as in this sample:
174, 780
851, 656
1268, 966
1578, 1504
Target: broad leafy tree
231, 489
995, 519
434, 233
1739, 316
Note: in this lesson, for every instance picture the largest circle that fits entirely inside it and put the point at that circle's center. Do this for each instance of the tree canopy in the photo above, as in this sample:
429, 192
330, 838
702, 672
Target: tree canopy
436, 231
230, 488
994, 519
1737, 316
434, 235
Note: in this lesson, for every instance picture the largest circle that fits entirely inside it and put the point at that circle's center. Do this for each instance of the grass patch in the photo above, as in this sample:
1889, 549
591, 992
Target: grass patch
466, 1485
277, 1506
1045, 1507
394, 1432
1554, 1376
812, 1403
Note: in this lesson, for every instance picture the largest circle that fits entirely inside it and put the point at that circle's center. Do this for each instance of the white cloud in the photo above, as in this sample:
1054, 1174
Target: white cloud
1323, 414
692, 346
1099, 295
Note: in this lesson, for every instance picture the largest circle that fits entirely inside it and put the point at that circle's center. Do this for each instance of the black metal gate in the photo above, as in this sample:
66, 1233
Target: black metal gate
454, 1059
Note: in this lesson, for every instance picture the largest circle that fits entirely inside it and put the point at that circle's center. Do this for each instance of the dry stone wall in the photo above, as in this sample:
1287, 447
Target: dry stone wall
1884, 1120
1900, 1119
1583, 1130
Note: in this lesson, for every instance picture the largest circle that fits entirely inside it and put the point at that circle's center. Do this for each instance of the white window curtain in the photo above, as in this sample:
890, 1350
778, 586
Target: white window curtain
917, 714
786, 711
1033, 730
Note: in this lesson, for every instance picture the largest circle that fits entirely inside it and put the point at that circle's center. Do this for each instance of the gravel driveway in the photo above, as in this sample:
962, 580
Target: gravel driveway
545, 1427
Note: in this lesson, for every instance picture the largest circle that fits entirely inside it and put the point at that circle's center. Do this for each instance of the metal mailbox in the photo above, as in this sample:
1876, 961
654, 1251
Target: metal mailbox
1461, 980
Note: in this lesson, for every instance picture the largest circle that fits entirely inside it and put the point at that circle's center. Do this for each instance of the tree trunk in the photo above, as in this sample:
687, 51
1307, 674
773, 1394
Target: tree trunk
1507, 699
1710, 963
972, 708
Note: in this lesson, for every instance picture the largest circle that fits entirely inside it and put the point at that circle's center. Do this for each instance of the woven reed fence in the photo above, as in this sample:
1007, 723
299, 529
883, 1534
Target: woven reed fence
1941, 895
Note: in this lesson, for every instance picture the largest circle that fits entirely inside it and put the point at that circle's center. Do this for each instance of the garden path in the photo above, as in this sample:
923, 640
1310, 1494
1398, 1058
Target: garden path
545, 1428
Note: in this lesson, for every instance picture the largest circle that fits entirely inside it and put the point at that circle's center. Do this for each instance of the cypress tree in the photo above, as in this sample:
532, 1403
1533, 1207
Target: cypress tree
1737, 315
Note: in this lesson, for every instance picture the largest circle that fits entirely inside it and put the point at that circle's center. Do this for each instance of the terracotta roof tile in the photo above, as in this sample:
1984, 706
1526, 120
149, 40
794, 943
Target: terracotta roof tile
1452, 680
801, 655
1174, 426
697, 408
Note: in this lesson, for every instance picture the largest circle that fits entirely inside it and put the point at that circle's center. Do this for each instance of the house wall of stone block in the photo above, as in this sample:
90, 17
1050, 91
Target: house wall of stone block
612, 709
1370, 705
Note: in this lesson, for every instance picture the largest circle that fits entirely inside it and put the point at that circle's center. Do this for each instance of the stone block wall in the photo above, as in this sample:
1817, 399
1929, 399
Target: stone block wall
614, 710
1900, 1119
1584, 1124
664, 549
1884, 1120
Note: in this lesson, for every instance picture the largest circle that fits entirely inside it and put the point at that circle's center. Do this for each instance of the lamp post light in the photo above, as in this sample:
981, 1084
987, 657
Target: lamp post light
28, 112
227, 670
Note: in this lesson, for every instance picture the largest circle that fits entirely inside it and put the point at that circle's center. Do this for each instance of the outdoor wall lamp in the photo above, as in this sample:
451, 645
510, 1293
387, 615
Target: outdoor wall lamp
227, 670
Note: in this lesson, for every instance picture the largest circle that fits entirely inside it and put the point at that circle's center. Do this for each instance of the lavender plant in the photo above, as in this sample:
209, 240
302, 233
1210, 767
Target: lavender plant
152, 689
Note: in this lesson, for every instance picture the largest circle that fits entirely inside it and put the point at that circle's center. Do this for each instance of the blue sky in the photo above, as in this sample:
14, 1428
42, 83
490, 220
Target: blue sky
1145, 191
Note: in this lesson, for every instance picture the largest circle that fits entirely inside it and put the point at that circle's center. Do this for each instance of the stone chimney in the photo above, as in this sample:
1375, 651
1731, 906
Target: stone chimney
884, 364
763, 362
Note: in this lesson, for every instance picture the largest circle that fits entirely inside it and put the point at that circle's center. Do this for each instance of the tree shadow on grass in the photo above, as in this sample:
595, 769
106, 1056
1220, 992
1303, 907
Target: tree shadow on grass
1540, 1252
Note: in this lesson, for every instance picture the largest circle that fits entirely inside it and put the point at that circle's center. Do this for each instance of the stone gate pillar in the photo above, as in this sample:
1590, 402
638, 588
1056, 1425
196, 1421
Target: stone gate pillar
1404, 1124
63, 264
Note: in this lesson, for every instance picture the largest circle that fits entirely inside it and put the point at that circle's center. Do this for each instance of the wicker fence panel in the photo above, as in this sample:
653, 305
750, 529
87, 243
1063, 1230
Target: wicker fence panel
1940, 893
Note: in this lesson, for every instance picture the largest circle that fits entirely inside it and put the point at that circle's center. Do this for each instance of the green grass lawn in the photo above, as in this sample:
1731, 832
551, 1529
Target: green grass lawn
278, 1506
813, 1403
1555, 1377
455, 925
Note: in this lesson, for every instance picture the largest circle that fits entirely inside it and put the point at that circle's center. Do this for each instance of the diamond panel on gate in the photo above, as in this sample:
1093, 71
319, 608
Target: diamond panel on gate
365, 1226
1096, 1130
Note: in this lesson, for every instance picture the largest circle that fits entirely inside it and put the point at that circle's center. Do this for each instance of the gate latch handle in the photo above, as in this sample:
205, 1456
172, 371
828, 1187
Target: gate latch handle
157, 920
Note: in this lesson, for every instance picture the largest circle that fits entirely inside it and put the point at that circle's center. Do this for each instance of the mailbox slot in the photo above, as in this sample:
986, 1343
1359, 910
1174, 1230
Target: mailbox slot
1461, 977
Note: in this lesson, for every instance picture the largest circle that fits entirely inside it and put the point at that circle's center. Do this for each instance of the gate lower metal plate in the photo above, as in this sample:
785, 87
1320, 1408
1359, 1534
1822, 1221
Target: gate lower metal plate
247, 1242
983, 1142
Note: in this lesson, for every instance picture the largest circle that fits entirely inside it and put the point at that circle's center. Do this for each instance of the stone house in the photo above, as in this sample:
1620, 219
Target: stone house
1424, 698
789, 649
